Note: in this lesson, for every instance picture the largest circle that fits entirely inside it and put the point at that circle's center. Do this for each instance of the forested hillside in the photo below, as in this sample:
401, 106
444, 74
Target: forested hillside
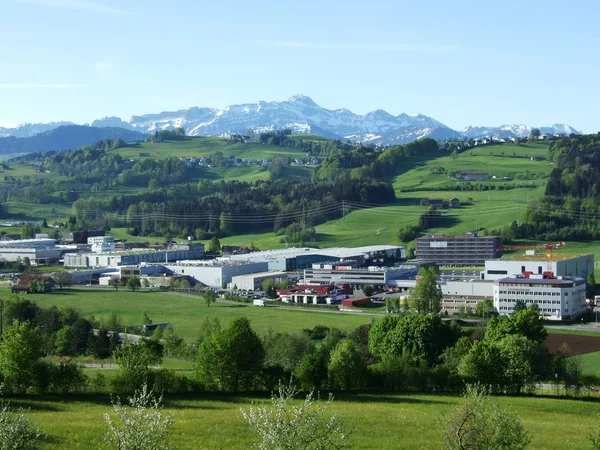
570, 208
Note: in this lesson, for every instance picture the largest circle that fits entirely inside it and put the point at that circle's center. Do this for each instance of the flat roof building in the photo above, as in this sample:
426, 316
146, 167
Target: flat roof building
127, 258
459, 251
253, 281
558, 265
292, 259
556, 299
340, 273
36, 250
215, 273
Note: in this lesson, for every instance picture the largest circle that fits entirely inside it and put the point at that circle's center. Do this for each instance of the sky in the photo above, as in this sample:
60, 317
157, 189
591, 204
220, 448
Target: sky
462, 62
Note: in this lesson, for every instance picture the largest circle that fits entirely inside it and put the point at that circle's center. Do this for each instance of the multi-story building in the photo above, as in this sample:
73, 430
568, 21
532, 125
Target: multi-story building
254, 281
556, 265
102, 244
465, 250
343, 273
556, 298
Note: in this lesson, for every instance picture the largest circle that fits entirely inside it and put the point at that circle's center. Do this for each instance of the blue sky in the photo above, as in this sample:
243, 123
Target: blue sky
461, 62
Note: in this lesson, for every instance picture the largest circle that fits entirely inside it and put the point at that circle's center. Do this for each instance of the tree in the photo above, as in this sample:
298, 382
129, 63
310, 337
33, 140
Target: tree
63, 279
146, 320
134, 283
114, 282
368, 290
20, 351
269, 287
534, 135
312, 369
426, 296
214, 246
140, 425
209, 297
484, 307
225, 224
520, 305
347, 369
481, 424
591, 286
305, 426
231, 358
526, 322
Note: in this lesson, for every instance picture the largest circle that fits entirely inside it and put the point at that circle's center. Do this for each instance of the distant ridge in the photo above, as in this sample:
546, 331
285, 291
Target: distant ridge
302, 115
65, 137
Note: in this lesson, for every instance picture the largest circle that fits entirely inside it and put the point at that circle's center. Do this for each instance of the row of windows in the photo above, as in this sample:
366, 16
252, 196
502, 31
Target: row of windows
553, 294
546, 310
538, 302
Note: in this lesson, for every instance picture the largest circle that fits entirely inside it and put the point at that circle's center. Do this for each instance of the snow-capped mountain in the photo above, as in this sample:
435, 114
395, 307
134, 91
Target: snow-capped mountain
509, 131
30, 129
302, 115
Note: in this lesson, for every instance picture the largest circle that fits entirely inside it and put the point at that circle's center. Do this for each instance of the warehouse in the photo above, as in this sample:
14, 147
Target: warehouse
127, 258
556, 265
292, 259
378, 277
253, 281
216, 273
36, 250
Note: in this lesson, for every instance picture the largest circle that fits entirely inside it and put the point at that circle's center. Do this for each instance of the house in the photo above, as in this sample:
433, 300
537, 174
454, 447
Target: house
538, 158
471, 175
22, 287
454, 202
356, 301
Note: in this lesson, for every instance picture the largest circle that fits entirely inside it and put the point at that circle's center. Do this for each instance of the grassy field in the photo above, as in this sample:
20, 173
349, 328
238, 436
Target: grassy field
186, 314
206, 146
377, 421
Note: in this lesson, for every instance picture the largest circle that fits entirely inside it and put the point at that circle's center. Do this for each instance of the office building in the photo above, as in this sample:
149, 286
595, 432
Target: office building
459, 251
215, 273
342, 273
557, 299
253, 281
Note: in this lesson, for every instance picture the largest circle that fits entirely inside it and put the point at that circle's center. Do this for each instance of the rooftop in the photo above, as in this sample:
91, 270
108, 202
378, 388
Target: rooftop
550, 281
262, 274
338, 252
541, 256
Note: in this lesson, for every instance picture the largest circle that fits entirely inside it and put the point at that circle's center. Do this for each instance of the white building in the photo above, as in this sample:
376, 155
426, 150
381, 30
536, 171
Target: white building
558, 265
36, 250
254, 281
102, 244
215, 273
556, 299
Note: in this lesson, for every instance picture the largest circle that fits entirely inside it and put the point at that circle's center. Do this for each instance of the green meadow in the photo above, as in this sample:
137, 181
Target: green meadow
377, 421
186, 312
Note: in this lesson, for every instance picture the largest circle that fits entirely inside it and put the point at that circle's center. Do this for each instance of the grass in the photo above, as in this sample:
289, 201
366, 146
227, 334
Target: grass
186, 314
377, 421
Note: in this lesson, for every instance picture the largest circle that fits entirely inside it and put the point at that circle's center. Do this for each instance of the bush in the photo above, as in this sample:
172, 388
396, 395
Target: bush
67, 377
141, 425
16, 432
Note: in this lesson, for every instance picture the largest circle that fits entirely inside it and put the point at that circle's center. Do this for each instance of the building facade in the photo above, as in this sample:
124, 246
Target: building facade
102, 244
253, 281
459, 251
36, 250
559, 265
557, 299
128, 258
216, 273
378, 277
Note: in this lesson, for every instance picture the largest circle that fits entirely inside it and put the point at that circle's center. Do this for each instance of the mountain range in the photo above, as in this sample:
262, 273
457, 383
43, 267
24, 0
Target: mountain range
302, 115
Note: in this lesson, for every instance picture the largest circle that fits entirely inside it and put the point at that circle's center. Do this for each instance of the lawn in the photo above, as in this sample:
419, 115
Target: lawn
376, 421
186, 314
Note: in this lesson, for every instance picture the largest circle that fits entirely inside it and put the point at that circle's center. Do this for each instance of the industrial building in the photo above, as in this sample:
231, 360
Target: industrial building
293, 259
174, 252
253, 281
459, 251
466, 294
556, 298
340, 273
215, 273
556, 265
311, 294
37, 250
102, 244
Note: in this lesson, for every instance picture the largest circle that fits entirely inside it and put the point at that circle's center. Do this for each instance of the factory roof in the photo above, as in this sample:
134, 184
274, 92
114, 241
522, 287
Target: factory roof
207, 263
541, 256
262, 274
337, 252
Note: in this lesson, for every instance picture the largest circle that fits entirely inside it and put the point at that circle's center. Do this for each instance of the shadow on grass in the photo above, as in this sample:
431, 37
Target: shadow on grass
396, 398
